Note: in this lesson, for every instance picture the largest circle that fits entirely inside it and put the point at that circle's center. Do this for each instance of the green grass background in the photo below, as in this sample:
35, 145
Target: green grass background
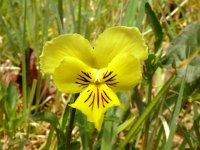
162, 112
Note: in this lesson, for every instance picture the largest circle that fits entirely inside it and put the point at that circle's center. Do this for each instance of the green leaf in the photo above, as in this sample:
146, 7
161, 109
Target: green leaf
60, 10
196, 122
49, 138
2, 91
123, 126
1, 147
53, 120
130, 12
85, 129
106, 143
187, 136
155, 25
197, 132
141, 14
175, 115
184, 50
75, 145
11, 101
47, 117
151, 65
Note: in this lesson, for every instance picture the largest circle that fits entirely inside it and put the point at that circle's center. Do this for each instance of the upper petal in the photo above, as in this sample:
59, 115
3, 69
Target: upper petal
55, 50
122, 73
72, 75
117, 40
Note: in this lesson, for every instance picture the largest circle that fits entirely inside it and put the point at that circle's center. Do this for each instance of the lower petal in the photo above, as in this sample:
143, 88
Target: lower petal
94, 102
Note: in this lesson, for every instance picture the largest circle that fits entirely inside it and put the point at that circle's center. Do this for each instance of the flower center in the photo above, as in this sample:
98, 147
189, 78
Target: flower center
97, 80
109, 77
98, 77
97, 94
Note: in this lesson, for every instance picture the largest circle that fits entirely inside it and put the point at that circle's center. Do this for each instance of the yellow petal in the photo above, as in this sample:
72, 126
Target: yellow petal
119, 40
55, 50
72, 75
123, 73
94, 102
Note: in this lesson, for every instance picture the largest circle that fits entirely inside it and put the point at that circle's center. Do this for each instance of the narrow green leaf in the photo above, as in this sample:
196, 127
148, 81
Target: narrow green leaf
60, 10
1, 146
53, 120
2, 91
123, 126
47, 117
138, 101
45, 25
49, 139
24, 77
130, 13
84, 129
30, 23
65, 118
11, 101
141, 14
106, 143
187, 136
58, 19
174, 118
155, 25
197, 132
73, 14
158, 139
79, 17
32, 92
11, 42
75, 145
196, 122
183, 145
15, 23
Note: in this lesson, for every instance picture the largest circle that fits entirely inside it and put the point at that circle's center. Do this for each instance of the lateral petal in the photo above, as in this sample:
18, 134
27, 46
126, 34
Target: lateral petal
122, 73
73, 75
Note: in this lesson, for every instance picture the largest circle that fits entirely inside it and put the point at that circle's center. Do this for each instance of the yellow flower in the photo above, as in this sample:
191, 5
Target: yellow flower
113, 65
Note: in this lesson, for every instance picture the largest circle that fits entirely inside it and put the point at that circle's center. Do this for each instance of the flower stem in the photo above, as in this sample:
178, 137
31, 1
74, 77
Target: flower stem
147, 122
24, 75
70, 126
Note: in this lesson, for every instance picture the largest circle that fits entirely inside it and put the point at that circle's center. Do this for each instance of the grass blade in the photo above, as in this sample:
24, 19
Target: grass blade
155, 25
60, 10
24, 78
187, 137
106, 143
147, 111
72, 11
129, 17
174, 119
141, 14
